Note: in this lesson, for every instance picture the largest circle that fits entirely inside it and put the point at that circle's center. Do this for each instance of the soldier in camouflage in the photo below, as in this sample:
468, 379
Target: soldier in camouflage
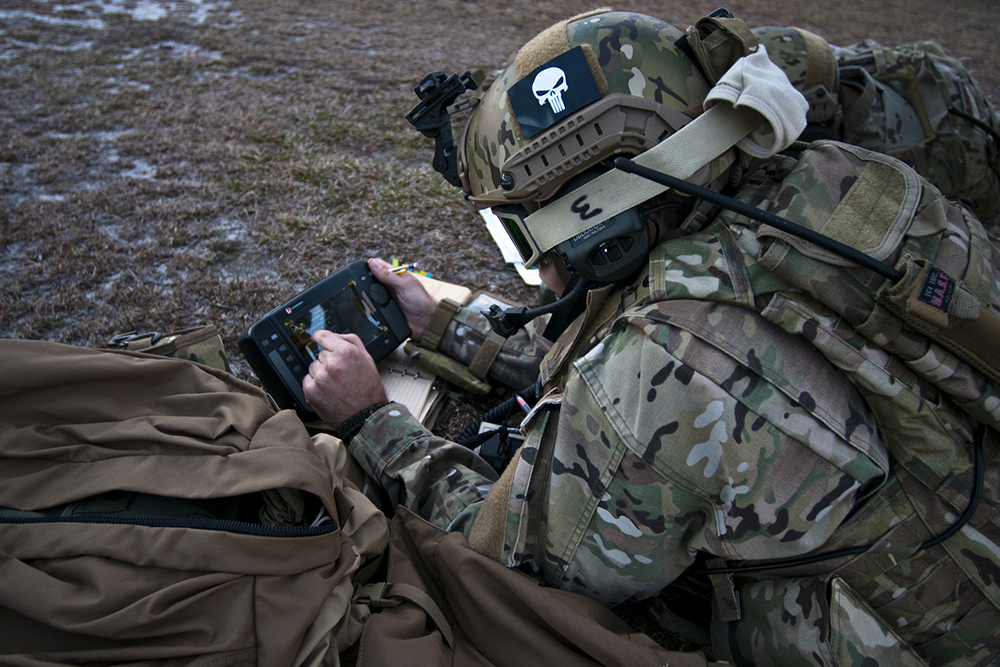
741, 397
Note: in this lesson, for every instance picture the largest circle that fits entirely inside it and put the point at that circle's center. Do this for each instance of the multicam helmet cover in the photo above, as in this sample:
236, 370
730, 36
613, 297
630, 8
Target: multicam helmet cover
648, 88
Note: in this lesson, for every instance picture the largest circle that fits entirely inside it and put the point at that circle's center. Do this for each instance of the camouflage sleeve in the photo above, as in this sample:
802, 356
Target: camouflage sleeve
517, 364
442, 481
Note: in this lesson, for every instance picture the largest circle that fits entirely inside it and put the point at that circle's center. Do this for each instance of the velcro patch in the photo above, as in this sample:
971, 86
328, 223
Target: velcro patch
553, 91
938, 289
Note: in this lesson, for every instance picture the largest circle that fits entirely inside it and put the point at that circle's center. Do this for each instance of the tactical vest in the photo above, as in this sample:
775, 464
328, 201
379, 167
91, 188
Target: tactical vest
924, 353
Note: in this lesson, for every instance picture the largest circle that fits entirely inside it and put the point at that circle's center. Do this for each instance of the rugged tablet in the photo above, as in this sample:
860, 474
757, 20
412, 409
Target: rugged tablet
279, 347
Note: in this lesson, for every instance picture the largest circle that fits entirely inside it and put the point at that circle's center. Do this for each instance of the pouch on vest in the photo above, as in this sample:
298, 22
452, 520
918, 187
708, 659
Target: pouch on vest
948, 299
810, 621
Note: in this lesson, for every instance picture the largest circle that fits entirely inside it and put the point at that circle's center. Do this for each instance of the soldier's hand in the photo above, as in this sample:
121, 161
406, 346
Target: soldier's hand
343, 381
417, 305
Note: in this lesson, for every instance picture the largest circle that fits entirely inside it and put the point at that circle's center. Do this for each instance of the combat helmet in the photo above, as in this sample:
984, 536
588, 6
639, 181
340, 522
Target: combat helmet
599, 85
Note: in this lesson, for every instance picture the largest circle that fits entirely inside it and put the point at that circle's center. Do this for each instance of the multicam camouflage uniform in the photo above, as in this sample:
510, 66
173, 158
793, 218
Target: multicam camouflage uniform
711, 408
200, 344
744, 399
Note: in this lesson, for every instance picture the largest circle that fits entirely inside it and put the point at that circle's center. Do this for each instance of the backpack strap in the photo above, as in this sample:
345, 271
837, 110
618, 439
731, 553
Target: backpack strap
385, 595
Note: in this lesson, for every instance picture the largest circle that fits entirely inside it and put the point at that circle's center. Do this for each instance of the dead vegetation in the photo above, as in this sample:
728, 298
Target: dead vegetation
201, 164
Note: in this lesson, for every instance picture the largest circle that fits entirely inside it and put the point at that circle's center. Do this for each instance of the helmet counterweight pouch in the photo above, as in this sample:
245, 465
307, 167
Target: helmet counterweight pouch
717, 42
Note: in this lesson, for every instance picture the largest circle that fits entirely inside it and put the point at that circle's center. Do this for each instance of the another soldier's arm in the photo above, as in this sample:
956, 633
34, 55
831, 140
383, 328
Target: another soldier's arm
516, 366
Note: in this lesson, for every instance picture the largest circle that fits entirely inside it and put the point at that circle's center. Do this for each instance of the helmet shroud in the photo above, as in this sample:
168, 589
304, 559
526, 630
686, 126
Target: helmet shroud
649, 89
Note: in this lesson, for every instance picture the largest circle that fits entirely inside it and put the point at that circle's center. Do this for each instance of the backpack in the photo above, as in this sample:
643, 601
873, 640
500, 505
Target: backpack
159, 512
916, 102
155, 511
919, 104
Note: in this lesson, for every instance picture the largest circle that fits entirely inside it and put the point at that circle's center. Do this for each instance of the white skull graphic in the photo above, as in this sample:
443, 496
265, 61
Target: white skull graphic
548, 86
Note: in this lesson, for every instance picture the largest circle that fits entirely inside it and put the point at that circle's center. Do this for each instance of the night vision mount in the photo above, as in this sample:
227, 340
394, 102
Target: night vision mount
437, 92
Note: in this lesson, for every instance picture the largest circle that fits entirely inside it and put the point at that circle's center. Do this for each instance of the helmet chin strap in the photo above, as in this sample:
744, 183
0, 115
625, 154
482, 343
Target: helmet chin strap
507, 322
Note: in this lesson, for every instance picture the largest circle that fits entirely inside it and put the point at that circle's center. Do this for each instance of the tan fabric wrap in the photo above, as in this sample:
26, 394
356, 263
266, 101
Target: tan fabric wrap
490, 527
439, 323
821, 66
487, 353
681, 155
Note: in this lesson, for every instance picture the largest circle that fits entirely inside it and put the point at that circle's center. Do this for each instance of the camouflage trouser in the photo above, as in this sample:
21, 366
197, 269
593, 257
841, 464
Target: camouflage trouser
854, 614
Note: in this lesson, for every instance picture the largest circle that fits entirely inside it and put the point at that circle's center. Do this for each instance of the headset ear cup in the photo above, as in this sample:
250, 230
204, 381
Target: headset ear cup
611, 251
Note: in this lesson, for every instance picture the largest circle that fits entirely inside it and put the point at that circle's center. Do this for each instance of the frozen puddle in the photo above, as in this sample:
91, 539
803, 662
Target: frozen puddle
88, 14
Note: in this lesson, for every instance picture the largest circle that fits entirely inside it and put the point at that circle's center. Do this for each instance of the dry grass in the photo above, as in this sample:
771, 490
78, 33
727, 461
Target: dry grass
159, 173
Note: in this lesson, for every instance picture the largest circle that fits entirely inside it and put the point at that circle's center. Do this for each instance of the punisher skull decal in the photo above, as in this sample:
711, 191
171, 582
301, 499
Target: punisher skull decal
549, 85
558, 88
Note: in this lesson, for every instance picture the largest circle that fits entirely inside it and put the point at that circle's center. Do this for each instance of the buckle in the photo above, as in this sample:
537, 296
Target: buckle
121, 341
375, 596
